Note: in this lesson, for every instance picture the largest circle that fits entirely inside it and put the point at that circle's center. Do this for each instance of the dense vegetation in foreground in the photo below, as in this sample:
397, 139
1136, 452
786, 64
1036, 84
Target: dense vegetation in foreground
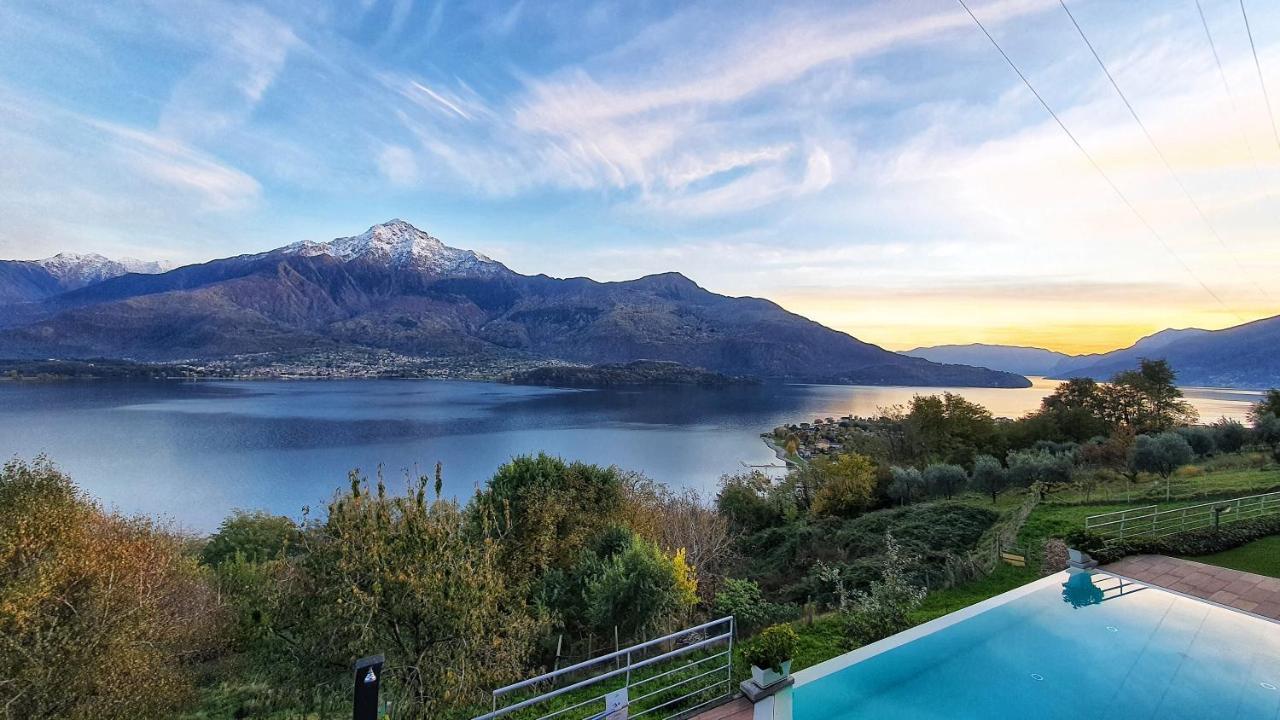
553, 561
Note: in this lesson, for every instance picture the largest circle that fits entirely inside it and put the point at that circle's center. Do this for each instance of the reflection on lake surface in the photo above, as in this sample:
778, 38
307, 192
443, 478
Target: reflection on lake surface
192, 451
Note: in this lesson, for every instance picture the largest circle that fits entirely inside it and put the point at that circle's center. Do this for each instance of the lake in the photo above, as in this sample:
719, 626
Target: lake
192, 451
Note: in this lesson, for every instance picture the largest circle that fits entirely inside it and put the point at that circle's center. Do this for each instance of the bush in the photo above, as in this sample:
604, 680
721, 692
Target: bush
886, 607
1205, 541
743, 600
257, 536
100, 615
406, 576
771, 648
640, 590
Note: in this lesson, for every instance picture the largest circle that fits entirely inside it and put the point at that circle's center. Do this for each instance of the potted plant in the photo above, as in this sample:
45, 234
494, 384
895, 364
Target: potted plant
1081, 546
770, 653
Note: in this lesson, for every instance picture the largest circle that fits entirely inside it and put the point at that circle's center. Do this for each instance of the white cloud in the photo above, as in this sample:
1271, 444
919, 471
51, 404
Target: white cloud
397, 165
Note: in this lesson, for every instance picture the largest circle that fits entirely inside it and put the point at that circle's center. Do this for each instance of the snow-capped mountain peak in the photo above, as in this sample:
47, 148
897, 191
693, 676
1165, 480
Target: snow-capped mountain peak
76, 270
400, 244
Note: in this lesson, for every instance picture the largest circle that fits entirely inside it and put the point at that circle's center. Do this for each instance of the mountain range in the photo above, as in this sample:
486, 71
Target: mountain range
396, 288
1246, 355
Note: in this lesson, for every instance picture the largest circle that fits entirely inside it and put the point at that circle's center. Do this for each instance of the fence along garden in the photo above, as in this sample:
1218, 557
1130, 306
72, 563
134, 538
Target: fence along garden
1151, 521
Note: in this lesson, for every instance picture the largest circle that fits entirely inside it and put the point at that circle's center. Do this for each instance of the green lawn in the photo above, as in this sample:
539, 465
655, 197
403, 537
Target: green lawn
1260, 556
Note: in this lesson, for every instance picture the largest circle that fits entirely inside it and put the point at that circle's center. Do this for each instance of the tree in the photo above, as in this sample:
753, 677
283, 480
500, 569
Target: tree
408, 576
848, 485
1148, 398
906, 485
257, 536
753, 502
947, 428
1075, 410
1040, 468
545, 510
639, 589
1201, 440
988, 476
1161, 454
100, 615
944, 479
679, 521
1229, 435
1268, 405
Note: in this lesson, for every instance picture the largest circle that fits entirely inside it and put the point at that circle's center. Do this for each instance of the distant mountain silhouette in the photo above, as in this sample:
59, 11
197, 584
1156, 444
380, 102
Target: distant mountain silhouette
1243, 356
396, 288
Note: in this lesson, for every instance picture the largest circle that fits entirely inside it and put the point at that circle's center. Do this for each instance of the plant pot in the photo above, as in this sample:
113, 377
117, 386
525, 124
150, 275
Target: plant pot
764, 677
1078, 559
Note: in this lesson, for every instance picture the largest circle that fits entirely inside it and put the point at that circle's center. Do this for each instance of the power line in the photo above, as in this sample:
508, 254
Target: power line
1226, 87
1155, 146
1114, 188
1261, 81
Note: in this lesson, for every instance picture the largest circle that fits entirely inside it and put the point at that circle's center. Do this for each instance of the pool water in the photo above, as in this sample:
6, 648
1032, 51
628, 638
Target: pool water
1086, 646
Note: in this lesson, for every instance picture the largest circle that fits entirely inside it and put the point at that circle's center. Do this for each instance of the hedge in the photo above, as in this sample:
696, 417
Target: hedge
1205, 541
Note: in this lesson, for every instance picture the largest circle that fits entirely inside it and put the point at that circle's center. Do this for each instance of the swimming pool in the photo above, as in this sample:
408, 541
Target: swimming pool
1079, 646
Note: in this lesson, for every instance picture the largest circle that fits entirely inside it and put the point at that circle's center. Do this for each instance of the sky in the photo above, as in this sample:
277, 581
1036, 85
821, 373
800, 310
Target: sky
877, 167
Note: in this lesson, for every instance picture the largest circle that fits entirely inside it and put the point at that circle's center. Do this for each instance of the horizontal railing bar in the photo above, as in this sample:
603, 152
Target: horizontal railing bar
682, 667
599, 678
575, 706
665, 688
672, 702
603, 658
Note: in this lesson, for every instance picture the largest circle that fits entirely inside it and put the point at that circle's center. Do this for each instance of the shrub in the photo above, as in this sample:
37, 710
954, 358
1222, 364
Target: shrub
885, 608
1204, 541
743, 600
100, 615
406, 575
771, 648
640, 589
257, 536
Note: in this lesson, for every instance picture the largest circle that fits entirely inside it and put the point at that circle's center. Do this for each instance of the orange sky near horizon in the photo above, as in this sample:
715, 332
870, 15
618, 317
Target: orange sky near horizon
906, 321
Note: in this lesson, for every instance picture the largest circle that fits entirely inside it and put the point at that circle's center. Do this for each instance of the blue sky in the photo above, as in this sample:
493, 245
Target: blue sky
875, 166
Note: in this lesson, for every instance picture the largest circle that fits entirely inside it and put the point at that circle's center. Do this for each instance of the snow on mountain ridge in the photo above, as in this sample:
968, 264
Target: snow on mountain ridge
400, 244
78, 270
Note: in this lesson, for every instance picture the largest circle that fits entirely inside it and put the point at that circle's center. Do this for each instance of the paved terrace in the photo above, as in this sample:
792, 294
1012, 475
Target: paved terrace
1251, 593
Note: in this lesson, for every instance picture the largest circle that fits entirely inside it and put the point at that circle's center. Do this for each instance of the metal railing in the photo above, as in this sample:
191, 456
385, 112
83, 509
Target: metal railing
693, 668
1151, 521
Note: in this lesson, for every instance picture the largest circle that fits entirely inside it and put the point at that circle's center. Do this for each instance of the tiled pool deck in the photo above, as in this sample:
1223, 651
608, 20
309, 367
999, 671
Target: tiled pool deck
1256, 594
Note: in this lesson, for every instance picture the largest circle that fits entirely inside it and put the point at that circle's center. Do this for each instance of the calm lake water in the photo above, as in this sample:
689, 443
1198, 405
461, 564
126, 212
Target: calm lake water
192, 451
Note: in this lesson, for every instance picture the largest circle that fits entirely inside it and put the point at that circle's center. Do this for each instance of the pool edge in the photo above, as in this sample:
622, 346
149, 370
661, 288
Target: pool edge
840, 662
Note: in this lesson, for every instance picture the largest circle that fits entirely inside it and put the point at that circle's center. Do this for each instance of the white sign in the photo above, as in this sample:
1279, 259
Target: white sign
615, 705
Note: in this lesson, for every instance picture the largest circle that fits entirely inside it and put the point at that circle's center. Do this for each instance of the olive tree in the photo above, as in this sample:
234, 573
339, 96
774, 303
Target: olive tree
988, 476
944, 479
